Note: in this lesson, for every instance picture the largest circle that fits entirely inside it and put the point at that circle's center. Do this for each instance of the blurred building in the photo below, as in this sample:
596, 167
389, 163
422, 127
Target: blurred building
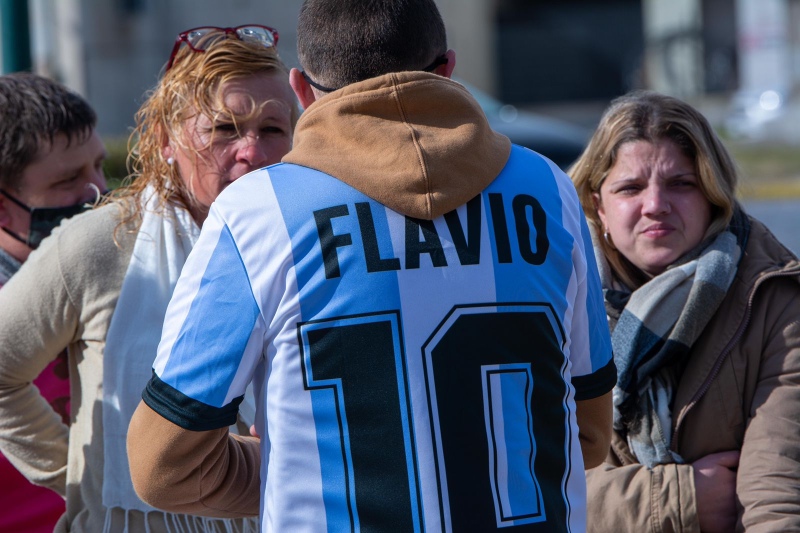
526, 52
112, 51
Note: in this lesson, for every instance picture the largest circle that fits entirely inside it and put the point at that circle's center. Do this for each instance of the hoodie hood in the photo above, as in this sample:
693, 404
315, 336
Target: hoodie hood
416, 142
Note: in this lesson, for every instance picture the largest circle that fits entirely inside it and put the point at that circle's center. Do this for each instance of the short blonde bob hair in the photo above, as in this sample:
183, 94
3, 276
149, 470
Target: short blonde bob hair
652, 117
189, 88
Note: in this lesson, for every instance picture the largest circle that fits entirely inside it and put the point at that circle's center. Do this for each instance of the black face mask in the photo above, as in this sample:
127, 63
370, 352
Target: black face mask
44, 219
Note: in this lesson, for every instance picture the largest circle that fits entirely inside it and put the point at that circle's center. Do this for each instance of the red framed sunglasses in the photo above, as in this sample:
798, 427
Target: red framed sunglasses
202, 38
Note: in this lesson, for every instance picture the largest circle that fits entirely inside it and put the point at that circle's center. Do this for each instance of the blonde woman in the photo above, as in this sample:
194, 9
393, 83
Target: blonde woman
100, 285
703, 303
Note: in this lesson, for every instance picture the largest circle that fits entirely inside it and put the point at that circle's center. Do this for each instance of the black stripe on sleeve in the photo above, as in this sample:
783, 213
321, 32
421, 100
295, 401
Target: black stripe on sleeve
596, 384
186, 412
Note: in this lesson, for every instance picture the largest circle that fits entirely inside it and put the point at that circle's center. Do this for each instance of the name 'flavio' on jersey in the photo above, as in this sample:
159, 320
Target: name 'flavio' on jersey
421, 236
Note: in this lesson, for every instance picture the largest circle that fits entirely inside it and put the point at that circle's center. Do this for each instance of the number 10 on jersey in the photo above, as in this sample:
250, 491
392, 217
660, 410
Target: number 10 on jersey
496, 396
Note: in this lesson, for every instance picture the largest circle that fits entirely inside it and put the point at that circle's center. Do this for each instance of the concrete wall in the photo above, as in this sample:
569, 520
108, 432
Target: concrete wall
765, 60
673, 46
471, 33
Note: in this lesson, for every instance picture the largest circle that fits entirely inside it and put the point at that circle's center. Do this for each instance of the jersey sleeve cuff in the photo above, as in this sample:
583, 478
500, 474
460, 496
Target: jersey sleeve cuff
595, 384
187, 412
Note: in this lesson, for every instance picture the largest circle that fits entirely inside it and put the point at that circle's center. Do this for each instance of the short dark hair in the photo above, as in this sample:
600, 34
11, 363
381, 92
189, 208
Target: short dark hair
340, 42
33, 110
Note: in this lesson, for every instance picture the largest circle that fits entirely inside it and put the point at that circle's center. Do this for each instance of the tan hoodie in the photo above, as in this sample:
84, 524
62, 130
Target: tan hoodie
415, 142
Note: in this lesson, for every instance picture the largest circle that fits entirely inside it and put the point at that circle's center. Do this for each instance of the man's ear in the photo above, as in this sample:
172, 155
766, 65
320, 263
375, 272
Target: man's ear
303, 90
446, 70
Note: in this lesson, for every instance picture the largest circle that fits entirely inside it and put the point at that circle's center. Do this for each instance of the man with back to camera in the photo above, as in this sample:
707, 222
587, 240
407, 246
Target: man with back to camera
414, 299
50, 167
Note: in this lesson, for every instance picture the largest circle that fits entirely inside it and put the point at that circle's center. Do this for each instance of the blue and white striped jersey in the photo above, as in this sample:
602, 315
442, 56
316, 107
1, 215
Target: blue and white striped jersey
411, 375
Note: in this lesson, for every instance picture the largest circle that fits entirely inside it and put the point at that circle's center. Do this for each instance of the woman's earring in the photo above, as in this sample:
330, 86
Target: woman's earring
605, 236
170, 161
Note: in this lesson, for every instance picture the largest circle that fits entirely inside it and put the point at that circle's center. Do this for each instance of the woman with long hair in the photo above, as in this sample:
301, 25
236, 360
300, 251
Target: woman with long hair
703, 303
100, 285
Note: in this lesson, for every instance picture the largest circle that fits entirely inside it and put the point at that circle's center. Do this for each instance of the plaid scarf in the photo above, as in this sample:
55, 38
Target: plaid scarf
655, 326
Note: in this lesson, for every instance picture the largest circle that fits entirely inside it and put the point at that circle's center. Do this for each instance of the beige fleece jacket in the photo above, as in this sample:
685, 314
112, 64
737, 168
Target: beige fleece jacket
64, 297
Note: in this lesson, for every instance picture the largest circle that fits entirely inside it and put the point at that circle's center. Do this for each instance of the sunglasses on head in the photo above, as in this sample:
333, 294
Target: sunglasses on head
202, 38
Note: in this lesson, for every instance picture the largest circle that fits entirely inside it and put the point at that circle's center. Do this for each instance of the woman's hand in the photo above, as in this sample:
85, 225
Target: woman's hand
715, 488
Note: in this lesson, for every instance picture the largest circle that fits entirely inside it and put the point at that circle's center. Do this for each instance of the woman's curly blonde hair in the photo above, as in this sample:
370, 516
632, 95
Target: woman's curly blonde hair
189, 88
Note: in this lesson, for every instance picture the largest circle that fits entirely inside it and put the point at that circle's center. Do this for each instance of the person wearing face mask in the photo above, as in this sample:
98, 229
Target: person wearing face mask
704, 306
99, 286
50, 163
50, 169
